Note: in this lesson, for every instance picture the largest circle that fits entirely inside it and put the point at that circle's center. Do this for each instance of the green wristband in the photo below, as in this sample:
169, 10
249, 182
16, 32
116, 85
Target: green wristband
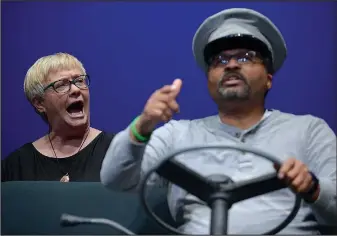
137, 135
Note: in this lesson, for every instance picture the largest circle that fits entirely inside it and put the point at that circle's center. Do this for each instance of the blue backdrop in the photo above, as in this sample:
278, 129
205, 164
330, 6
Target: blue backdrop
131, 49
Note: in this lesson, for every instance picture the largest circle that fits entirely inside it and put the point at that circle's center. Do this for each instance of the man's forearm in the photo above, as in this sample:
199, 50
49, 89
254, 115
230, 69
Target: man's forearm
121, 167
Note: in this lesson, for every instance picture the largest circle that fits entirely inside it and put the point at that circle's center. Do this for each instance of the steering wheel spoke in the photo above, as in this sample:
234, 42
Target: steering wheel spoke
243, 190
190, 176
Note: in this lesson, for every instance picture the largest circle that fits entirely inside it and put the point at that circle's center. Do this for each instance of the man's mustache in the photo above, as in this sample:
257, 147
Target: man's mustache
229, 75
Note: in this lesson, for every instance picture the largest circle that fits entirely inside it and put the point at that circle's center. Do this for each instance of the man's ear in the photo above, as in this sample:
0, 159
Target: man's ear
38, 103
269, 81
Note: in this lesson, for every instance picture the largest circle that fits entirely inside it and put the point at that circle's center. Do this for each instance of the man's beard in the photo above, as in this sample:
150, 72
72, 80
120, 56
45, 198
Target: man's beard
231, 93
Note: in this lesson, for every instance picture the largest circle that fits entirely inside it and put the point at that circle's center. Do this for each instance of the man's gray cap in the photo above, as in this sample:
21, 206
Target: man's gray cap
239, 28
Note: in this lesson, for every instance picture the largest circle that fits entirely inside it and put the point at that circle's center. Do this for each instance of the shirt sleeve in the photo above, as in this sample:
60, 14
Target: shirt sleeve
321, 151
126, 161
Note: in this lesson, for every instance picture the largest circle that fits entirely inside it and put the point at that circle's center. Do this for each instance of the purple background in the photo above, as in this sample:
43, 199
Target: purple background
131, 49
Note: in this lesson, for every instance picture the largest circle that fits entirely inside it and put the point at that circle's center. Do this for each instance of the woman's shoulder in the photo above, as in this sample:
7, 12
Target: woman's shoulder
104, 138
12, 165
107, 135
25, 150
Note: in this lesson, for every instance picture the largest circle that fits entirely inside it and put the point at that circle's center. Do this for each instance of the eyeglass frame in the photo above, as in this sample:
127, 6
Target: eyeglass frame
257, 55
71, 81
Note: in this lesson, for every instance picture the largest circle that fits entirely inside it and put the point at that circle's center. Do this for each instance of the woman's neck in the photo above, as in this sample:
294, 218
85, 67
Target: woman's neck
68, 143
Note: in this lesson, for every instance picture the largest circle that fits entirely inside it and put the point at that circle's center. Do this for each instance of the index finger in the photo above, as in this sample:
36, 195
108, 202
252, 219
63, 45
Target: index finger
285, 167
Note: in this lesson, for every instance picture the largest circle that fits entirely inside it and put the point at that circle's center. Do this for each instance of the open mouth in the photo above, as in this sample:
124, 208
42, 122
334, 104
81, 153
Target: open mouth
75, 109
231, 80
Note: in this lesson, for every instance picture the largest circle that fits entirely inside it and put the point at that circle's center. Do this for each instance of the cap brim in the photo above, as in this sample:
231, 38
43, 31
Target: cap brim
233, 42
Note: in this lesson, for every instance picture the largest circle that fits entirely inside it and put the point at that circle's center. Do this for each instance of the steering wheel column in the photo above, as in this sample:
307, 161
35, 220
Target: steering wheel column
220, 203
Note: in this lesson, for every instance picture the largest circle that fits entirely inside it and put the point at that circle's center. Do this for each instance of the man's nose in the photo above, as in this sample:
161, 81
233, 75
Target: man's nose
233, 64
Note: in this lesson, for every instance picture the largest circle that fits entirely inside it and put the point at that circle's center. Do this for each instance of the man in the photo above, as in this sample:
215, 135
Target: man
57, 86
239, 50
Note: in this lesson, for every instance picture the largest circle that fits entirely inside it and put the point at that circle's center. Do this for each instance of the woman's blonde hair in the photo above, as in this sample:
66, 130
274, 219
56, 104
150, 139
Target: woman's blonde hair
38, 73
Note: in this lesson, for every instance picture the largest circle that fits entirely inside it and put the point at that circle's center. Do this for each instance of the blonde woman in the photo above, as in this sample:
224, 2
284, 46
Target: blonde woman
57, 86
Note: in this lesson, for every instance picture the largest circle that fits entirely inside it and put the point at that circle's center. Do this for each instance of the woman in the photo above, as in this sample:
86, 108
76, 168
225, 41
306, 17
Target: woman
57, 86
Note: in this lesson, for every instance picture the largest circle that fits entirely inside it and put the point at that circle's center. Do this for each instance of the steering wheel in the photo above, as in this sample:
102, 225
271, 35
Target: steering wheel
229, 186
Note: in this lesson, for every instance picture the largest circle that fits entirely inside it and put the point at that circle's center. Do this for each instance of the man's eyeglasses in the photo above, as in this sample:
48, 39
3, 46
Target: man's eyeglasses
64, 85
249, 57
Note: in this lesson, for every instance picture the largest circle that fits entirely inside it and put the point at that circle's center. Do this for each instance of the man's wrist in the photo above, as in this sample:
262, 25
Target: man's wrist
312, 195
316, 194
139, 125
137, 134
